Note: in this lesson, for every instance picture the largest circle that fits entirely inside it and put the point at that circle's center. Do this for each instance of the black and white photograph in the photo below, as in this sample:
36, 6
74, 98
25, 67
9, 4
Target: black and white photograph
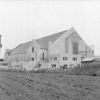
49, 50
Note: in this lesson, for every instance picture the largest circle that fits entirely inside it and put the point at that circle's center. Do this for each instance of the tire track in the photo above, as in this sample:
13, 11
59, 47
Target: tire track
16, 91
45, 90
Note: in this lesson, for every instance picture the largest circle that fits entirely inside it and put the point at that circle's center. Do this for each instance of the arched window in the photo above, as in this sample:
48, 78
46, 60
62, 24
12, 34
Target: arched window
32, 58
32, 49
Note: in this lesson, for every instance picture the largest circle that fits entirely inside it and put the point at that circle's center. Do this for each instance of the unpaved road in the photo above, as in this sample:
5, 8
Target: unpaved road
51, 86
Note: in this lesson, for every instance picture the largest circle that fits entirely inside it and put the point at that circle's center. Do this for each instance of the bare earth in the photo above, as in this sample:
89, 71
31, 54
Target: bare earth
52, 86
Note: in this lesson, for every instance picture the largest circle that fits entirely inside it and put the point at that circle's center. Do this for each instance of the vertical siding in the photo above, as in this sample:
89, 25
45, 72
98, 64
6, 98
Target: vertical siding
66, 45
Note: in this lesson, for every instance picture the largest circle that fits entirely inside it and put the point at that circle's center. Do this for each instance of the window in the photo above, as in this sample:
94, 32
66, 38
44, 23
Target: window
75, 48
65, 58
43, 56
32, 49
66, 45
54, 58
53, 65
74, 59
32, 59
65, 66
8, 53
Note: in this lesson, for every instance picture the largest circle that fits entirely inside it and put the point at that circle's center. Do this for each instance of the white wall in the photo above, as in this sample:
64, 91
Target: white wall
70, 60
58, 47
41, 51
35, 54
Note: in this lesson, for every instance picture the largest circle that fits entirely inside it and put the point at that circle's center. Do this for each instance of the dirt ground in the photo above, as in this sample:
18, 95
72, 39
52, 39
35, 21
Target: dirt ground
48, 86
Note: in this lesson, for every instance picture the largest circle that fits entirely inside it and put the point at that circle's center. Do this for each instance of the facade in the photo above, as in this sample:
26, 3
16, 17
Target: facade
65, 48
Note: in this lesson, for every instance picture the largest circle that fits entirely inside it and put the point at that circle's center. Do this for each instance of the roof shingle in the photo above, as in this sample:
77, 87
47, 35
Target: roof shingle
43, 42
22, 48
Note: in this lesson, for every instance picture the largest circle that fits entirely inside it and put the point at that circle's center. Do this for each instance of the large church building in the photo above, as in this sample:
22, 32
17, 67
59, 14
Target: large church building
65, 48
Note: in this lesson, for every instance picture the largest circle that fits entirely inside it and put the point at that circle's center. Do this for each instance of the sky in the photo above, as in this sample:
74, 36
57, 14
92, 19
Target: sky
24, 20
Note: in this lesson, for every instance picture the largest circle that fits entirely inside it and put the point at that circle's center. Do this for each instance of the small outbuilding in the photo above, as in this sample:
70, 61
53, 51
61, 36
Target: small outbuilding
92, 60
88, 60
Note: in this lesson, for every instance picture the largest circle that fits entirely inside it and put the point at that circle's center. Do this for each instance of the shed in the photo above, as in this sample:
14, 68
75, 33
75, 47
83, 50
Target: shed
88, 60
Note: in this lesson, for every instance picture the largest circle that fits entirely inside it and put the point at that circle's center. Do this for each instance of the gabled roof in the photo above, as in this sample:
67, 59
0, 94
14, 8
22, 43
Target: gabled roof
22, 48
43, 42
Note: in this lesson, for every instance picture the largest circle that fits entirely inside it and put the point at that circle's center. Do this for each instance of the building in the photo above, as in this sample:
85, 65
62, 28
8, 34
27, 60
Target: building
65, 48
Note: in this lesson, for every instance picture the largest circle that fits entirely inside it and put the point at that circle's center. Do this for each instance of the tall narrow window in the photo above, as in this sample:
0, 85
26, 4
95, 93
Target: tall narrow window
32, 49
32, 59
66, 45
53, 65
43, 56
51, 58
54, 58
65, 58
75, 48
74, 59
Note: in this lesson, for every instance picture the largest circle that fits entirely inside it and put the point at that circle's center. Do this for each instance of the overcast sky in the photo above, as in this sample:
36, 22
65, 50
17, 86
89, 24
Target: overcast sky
22, 21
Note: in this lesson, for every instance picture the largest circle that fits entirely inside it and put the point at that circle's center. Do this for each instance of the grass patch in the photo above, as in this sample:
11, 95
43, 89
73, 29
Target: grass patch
92, 69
